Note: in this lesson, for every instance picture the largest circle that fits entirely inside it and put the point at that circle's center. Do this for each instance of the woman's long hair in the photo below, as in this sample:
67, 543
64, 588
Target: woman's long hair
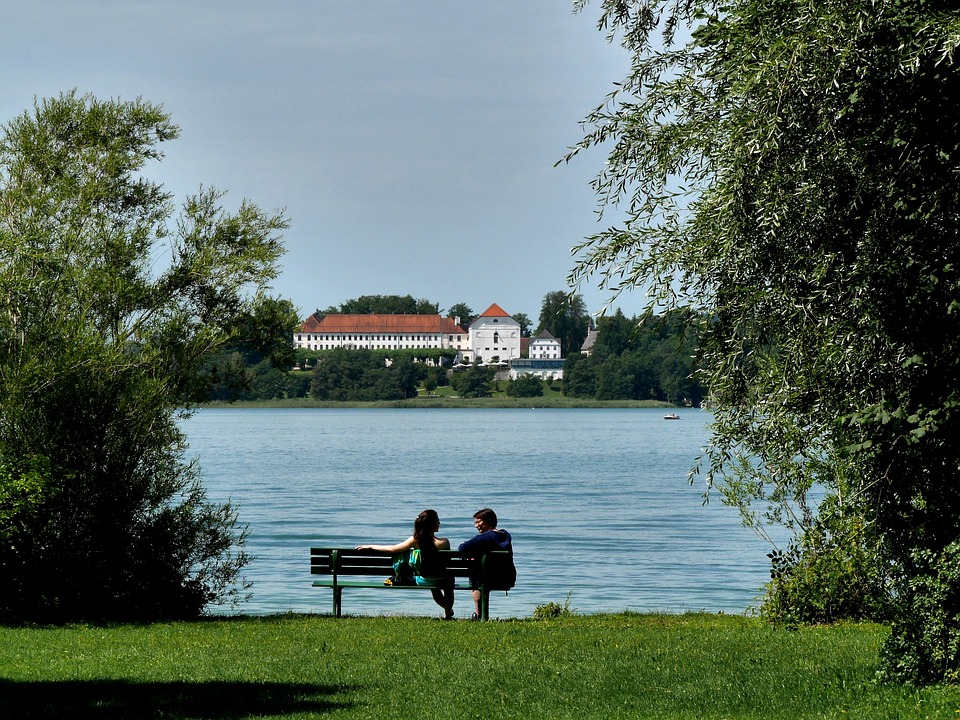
425, 529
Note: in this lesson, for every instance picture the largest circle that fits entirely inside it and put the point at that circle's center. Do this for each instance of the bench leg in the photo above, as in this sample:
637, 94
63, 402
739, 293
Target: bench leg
484, 604
336, 601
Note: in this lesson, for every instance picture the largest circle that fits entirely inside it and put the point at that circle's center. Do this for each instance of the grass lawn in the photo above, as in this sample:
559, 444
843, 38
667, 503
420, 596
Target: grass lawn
597, 666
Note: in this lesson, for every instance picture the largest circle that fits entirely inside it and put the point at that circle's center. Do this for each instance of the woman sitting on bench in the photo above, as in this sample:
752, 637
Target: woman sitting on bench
426, 562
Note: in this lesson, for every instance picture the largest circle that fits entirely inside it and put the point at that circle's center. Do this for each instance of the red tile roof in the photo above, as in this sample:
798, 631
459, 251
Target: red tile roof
381, 324
495, 311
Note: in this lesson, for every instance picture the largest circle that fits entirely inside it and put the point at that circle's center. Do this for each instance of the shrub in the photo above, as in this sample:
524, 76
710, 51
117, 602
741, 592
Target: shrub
552, 610
924, 642
834, 572
525, 385
100, 516
474, 382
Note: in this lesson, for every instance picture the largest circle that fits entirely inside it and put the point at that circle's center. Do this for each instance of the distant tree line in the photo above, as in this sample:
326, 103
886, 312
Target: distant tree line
565, 317
256, 364
632, 359
361, 375
637, 359
383, 305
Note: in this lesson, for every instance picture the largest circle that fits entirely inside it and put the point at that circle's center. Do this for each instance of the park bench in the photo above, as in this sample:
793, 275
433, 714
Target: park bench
340, 568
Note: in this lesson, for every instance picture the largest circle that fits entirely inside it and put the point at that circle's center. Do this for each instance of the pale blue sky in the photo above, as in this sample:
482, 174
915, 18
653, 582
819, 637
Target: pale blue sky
411, 143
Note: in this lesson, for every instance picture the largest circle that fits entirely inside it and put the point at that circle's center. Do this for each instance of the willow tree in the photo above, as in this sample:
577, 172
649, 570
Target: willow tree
109, 302
790, 169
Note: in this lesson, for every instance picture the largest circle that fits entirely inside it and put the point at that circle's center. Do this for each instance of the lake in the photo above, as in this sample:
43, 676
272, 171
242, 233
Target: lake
597, 501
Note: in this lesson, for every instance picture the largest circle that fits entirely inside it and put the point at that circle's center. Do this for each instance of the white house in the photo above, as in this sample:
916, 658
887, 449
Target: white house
544, 347
494, 336
380, 332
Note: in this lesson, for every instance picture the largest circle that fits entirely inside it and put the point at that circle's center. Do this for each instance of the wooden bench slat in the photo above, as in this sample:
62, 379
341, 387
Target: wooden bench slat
347, 582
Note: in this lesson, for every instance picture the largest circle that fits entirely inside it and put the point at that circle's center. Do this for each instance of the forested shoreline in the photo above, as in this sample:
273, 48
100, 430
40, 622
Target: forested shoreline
631, 359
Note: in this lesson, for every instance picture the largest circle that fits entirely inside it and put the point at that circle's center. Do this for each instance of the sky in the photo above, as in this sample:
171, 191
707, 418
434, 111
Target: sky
412, 144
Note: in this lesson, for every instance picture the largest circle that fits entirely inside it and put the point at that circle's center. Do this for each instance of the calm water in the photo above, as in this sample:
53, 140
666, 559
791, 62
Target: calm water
589, 495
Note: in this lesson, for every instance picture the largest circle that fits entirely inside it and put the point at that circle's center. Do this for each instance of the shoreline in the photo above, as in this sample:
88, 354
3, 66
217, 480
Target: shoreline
439, 403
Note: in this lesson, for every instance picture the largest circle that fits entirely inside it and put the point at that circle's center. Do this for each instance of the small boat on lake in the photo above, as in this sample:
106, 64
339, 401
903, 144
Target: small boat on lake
671, 416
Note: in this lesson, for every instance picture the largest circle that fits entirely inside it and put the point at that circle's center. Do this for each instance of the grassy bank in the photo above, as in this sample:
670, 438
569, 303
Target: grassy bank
609, 666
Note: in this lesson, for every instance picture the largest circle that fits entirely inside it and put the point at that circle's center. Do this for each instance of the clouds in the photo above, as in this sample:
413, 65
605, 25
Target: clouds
411, 143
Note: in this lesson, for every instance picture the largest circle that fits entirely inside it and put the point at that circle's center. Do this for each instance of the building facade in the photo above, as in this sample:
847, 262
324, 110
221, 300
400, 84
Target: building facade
543, 369
544, 347
494, 337
587, 347
380, 332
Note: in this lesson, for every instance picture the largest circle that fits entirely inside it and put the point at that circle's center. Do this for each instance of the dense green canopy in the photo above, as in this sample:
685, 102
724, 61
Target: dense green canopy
790, 168
109, 303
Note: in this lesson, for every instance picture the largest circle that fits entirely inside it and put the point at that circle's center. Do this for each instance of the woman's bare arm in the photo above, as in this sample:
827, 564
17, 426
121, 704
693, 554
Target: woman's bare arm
399, 547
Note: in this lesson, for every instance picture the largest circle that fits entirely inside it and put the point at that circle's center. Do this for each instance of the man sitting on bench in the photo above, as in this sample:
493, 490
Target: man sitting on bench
489, 537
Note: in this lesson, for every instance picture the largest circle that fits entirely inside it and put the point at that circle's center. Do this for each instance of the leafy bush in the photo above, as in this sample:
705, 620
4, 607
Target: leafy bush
100, 516
834, 572
924, 642
474, 382
118, 526
359, 374
525, 385
552, 610
25, 489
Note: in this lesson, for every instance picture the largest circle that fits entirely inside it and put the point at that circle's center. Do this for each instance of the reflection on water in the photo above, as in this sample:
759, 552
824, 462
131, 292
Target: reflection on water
597, 501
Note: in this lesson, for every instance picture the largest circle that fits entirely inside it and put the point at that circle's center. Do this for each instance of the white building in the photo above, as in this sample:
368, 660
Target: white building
587, 347
494, 336
544, 347
381, 332
543, 369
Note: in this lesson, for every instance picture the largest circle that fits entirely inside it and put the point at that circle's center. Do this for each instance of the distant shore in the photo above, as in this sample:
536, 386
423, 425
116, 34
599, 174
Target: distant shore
440, 402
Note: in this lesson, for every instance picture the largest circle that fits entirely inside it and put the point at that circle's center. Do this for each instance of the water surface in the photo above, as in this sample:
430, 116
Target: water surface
597, 501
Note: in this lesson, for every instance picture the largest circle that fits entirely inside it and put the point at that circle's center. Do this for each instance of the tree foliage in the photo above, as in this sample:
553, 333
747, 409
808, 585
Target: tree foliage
266, 332
462, 311
254, 364
790, 169
385, 305
475, 381
565, 316
525, 385
361, 375
524, 322
109, 303
647, 358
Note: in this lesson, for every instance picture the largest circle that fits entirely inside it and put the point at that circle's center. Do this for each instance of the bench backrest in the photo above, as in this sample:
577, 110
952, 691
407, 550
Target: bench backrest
348, 561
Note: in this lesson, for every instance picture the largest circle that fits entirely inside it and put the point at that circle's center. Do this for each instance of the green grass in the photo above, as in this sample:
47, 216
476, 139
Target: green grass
603, 666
